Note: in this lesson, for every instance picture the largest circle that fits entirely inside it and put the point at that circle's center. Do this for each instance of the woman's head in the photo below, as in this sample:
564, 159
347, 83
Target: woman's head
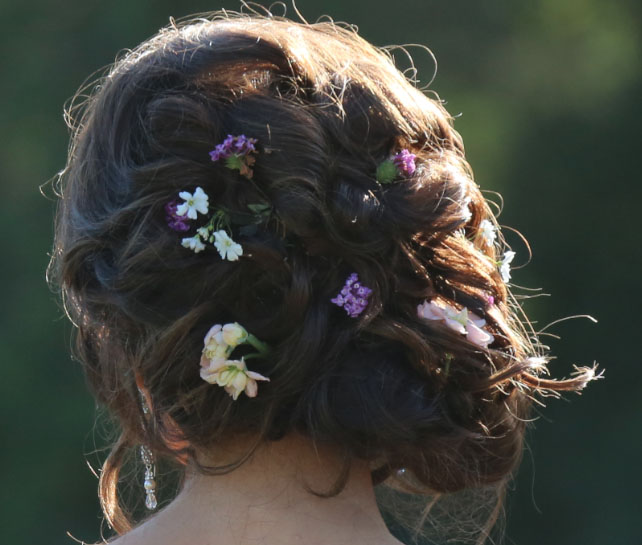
326, 108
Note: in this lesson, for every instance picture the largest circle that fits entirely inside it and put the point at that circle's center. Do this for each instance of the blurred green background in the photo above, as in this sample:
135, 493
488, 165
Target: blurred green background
547, 97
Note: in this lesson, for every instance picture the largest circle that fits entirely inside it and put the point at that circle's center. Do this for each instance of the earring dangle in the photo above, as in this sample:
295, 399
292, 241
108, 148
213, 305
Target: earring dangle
150, 473
150, 470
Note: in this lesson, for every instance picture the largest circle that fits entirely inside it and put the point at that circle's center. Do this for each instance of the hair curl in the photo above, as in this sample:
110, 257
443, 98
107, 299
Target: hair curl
326, 107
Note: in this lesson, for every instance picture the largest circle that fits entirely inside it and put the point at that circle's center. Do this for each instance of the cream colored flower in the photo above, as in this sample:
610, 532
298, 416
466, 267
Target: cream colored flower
210, 369
215, 347
234, 334
234, 377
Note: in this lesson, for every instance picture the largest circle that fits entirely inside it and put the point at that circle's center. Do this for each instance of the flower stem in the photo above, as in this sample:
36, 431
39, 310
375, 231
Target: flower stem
263, 348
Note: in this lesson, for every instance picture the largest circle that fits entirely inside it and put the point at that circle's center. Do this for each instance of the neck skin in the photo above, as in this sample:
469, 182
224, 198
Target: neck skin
267, 501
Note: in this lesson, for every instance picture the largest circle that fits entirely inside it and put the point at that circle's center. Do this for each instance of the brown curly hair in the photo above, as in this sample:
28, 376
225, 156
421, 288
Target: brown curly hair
327, 108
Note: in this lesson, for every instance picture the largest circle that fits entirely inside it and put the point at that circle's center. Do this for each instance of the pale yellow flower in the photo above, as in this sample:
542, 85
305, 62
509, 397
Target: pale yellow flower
234, 376
234, 334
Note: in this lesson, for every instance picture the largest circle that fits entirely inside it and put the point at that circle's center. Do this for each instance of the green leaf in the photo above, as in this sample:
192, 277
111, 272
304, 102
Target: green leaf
386, 172
260, 209
234, 162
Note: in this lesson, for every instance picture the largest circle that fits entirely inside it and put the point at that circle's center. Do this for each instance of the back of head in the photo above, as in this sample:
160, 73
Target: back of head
391, 386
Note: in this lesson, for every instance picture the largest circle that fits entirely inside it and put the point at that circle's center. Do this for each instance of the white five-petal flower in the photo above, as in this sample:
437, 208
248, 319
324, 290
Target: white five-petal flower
197, 202
504, 265
227, 248
193, 243
487, 232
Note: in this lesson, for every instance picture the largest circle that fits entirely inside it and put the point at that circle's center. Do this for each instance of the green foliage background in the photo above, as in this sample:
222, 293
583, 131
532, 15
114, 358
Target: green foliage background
547, 94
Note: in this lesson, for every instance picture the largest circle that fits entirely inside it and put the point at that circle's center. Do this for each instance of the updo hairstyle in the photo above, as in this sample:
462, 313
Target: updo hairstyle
326, 108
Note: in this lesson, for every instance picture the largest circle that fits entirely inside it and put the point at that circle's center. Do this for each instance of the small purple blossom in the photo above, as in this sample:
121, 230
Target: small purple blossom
405, 162
353, 297
234, 145
175, 222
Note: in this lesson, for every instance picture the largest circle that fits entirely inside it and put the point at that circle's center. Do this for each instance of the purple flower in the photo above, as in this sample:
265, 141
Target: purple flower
353, 296
175, 222
405, 162
234, 145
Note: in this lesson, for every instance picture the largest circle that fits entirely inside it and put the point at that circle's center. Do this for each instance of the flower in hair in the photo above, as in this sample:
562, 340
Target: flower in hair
487, 232
227, 248
236, 151
234, 334
466, 211
402, 163
504, 265
353, 297
193, 243
194, 203
463, 321
217, 367
175, 222
234, 377
405, 162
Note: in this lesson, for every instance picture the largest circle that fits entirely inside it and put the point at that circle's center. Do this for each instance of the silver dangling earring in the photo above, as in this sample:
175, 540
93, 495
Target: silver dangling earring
150, 470
150, 473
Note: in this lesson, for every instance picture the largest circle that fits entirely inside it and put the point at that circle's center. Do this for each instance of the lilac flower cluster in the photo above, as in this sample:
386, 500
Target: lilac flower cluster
176, 222
234, 145
405, 162
353, 296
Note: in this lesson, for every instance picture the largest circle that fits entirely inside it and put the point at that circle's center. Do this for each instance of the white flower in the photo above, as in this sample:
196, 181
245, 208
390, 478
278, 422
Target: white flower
465, 211
204, 233
234, 334
193, 243
198, 202
487, 232
234, 376
227, 248
504, 265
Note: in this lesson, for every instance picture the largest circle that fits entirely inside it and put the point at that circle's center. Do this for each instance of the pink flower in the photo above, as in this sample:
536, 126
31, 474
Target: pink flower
476, 335
463, 321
